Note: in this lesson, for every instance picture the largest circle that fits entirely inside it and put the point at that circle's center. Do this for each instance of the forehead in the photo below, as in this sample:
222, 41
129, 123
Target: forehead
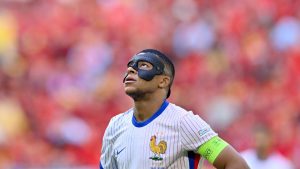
146, 57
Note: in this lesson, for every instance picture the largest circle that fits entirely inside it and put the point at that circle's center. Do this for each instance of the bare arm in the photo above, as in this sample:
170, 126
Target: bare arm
230, 159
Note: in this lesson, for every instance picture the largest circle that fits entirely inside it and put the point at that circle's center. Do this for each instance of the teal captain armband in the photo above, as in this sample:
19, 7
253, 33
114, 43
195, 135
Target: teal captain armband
211, 149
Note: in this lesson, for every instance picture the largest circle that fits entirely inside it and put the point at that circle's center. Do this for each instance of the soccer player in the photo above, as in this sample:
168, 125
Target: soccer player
156, 134
263, 154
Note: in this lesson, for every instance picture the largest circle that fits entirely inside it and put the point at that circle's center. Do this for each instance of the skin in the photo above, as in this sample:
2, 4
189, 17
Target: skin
229, 158
263, 143
148, 96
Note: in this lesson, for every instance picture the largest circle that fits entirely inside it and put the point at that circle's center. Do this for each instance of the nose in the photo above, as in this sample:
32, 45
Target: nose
131, 70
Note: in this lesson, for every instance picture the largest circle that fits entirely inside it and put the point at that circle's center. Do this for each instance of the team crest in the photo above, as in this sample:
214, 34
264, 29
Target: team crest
157, 149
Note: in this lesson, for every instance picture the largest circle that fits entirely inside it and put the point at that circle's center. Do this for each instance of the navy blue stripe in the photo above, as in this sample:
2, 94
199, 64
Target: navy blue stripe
191, 157
101, 166
154, 116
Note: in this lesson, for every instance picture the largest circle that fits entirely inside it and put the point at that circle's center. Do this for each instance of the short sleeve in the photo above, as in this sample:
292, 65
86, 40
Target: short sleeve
194, 131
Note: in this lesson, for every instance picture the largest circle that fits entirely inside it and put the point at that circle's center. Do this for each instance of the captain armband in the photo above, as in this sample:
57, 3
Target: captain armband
211, 149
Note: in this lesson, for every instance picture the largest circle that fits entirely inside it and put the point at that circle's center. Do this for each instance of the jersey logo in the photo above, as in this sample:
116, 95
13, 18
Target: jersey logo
204, 131
117, 152
157, 149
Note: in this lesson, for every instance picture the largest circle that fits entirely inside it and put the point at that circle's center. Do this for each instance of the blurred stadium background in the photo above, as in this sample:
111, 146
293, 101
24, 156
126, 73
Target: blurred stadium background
62, 63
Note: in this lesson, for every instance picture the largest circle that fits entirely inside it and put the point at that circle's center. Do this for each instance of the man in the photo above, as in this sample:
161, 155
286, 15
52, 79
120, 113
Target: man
263, 155
156, 134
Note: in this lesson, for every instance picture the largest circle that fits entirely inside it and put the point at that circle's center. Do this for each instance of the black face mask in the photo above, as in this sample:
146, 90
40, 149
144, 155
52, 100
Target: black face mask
158, 66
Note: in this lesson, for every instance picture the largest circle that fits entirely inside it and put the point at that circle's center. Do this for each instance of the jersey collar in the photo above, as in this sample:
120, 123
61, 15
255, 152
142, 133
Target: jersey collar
154, 116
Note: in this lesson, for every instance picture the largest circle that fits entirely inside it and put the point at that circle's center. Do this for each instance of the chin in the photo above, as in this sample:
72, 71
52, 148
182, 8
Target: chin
129, 90
134, 94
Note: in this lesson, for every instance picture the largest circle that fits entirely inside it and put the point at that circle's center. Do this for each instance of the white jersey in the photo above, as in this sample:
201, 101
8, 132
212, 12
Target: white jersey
167, 140
274, 161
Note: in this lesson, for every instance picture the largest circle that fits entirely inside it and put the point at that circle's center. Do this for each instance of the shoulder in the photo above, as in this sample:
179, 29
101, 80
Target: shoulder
177, 110
183, 114
120, 120
282, 161
187, 118
121, 116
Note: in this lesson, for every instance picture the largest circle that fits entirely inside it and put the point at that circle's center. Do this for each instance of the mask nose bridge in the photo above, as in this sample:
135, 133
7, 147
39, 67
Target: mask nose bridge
147, 75
134, 64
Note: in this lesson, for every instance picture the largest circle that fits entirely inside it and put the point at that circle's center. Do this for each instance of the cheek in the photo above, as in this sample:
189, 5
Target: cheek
156, 81
151, 85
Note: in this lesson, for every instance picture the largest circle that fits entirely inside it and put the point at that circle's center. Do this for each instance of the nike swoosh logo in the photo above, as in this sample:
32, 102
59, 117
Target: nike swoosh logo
118, 152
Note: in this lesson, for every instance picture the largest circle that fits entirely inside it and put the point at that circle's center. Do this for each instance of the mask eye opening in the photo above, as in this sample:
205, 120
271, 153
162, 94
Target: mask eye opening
145, 65
130, 63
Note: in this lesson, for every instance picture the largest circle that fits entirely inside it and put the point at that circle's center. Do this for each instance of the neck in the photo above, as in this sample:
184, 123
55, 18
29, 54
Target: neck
144, 109
263, 154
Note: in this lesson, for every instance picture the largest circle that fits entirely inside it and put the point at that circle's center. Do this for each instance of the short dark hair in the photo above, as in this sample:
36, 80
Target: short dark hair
169, 66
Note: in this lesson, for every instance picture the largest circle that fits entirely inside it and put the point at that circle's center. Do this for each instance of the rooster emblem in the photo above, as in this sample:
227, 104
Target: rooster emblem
157, 149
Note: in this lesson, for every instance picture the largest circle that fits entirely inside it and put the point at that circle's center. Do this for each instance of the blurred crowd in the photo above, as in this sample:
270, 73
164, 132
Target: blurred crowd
62, 63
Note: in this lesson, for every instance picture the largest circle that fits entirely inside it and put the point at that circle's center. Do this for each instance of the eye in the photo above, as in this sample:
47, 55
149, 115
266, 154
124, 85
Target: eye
145, 66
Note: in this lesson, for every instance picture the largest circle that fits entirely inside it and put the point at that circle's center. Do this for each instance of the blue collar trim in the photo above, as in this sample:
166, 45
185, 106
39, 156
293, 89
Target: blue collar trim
154, 116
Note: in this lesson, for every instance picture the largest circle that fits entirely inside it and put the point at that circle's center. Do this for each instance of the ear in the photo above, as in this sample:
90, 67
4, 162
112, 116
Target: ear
164, 81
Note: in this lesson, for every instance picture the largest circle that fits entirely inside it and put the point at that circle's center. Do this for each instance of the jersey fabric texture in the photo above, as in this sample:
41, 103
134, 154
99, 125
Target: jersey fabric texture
169, 139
